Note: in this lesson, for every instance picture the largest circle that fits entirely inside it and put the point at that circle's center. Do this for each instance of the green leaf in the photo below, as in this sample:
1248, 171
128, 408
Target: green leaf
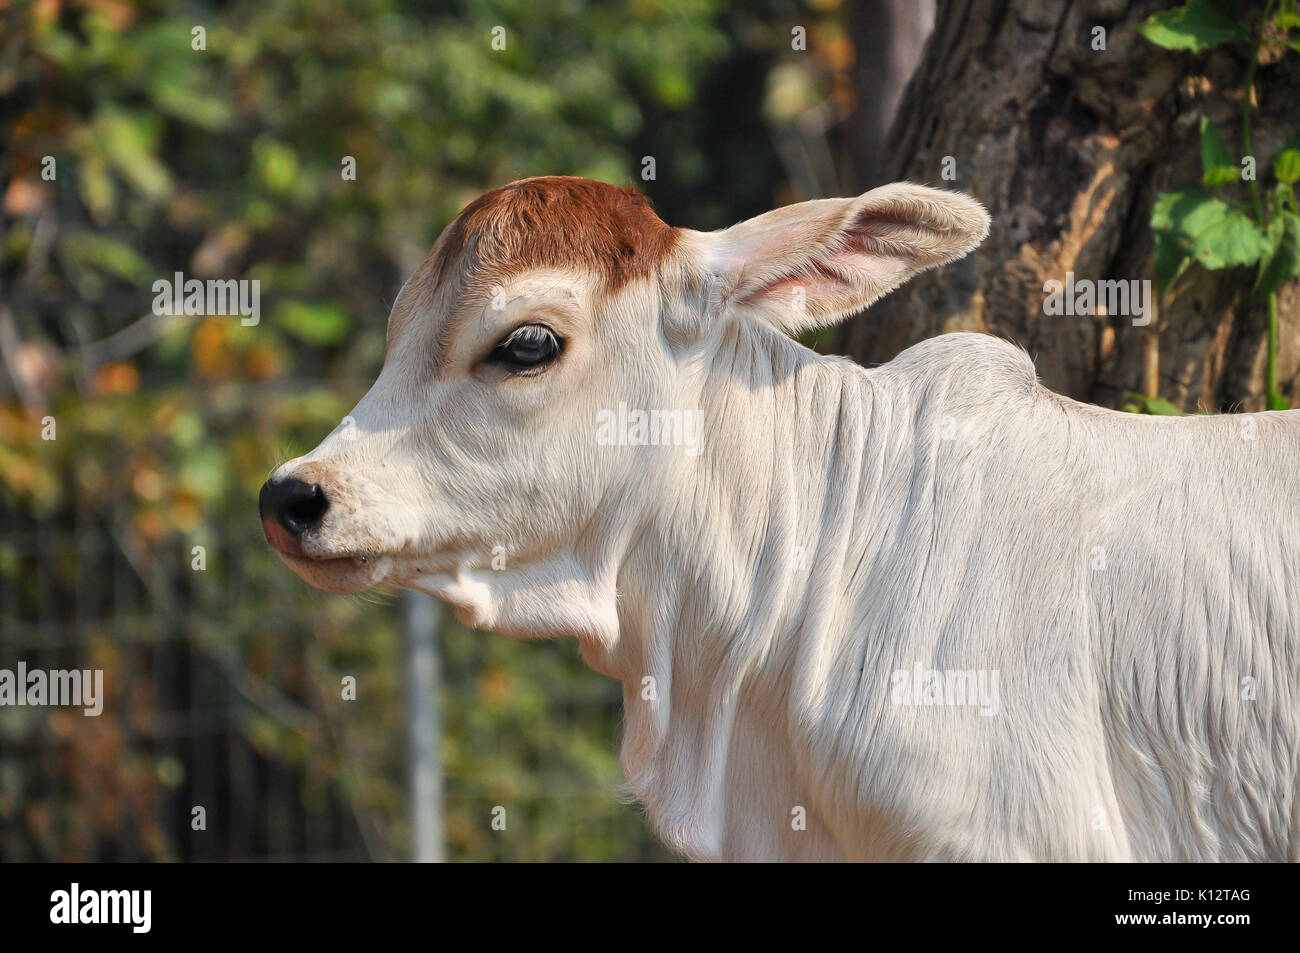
1275, 401
1220, 175
109, 255
320, 324
202, 471
1282, 260
96, 187
191, 105
1173, 247
128, 142
276, 164
1207, 228
1156, 406
1230, 240
1217, 166
1287, 164
1171, 258
1196, 26
1173, 210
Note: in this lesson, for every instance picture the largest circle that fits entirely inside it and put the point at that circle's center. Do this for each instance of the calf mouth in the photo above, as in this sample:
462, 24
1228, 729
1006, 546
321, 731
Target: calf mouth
340, 574
293, 516
300, 524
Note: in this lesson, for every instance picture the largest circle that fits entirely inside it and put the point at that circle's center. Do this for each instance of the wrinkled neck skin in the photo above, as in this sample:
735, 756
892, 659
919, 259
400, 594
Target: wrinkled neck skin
723, 626
719, 588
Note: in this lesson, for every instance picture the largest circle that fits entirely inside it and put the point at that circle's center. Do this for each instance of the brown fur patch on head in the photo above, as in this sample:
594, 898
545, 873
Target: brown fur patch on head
548, 222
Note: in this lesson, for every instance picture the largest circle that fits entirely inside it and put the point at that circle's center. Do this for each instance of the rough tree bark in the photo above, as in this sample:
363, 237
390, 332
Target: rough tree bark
1067, 147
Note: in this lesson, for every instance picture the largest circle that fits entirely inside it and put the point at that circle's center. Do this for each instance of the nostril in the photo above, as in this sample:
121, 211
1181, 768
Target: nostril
295, 505
303, 508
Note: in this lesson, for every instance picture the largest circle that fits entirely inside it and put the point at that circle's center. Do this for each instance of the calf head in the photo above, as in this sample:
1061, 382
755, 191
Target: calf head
475, 467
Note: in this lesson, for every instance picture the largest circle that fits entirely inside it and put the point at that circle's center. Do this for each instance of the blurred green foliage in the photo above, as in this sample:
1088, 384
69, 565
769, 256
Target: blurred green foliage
136, 145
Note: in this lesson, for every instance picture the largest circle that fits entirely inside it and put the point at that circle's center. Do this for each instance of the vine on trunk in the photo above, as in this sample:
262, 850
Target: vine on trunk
1209, 222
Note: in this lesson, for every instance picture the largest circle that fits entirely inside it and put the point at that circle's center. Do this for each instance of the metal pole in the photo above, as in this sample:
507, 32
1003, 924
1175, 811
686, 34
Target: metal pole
422, 685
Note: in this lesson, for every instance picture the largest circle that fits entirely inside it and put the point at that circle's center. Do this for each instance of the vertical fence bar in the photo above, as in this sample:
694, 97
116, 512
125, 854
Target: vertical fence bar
425, 730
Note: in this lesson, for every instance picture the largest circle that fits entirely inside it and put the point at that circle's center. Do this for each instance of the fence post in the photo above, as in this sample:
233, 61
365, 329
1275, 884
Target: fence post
423, 681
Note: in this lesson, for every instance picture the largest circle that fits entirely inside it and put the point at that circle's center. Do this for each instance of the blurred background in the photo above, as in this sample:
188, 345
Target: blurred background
140, 139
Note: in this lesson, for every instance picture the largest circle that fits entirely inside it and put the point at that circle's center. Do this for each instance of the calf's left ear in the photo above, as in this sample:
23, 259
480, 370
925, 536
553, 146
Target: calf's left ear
815, 263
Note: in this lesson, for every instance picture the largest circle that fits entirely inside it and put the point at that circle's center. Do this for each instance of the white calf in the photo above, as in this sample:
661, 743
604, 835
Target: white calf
926, 611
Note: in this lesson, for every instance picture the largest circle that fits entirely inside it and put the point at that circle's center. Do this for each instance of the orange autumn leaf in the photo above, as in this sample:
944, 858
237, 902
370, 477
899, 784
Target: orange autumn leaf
261, 363
24, 197
119, 378
210, 350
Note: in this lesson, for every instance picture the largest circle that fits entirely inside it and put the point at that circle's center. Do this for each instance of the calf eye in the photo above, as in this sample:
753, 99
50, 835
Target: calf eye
528, 346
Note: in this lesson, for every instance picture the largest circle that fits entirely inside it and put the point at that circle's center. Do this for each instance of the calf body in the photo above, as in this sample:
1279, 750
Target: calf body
929, 610
1130, 580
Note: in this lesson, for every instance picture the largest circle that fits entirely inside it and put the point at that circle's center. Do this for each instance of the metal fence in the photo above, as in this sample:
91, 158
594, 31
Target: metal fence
248, 717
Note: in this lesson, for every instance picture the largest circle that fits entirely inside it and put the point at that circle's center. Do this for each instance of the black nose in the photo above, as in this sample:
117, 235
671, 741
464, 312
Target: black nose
295, 505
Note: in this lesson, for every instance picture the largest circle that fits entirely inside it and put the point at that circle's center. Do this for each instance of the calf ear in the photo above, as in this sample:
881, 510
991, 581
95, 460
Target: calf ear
818, 262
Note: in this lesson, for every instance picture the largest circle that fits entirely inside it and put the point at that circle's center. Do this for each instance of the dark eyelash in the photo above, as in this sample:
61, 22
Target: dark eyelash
529, 347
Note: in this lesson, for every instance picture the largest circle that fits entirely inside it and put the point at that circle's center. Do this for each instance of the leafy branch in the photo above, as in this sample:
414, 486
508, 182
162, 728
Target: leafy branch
1206, 222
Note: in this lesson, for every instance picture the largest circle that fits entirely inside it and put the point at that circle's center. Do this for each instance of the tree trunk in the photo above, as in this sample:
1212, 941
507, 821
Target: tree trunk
889, 38
1067, 146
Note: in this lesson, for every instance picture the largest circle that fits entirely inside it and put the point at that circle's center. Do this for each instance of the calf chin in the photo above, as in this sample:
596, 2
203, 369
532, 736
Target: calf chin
546, 600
